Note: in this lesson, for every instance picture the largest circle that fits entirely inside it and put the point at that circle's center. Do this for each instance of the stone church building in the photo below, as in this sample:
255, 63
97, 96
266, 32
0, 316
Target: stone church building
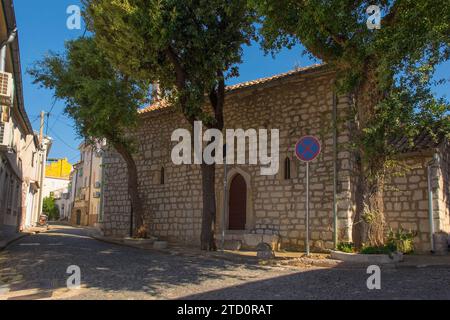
272, 208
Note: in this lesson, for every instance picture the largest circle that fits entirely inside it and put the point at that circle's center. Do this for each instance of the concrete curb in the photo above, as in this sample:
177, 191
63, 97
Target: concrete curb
279, 261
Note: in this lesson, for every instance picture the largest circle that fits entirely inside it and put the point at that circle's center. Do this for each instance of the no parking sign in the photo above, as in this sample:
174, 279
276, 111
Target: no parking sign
307, 149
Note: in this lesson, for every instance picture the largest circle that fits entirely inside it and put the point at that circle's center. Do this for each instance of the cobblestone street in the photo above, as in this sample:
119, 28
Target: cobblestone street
35, 268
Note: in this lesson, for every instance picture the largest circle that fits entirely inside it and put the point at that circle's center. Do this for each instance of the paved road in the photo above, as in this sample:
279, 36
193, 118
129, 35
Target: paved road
35, 268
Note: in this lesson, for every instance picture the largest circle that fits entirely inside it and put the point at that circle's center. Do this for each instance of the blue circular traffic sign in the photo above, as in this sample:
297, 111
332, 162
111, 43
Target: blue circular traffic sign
307, 148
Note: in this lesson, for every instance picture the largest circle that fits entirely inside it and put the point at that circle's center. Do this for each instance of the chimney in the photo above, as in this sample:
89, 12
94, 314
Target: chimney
41, 130
156, 93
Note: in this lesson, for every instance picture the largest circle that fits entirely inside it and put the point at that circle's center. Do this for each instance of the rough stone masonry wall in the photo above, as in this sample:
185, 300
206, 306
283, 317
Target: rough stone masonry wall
297, 105
172, 209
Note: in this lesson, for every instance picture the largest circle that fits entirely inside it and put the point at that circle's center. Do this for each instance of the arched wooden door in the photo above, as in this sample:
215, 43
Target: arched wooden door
78, 217
238, 204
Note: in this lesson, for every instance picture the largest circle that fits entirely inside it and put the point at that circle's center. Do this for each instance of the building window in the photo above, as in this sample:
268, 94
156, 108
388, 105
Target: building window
100, 211
20, 166
10, 194
162, 180
287, 169
9, 191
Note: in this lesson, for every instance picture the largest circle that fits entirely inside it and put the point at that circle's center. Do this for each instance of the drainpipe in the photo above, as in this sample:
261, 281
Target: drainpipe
4, 46
74, 191
430, 200
225, 196
102, 191
335, 217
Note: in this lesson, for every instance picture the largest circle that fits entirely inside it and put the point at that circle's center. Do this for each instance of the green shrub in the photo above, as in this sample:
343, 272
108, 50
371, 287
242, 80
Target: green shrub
50, 209
397, 241
387, 249
347, 247
402, 240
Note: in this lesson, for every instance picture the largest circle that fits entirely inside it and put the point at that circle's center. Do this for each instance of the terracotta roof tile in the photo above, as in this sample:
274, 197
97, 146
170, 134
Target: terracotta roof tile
275, 77
424, 140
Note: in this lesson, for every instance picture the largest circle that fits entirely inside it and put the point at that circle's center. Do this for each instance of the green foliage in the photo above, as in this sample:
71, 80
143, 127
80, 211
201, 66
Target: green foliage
50, 209
187, 47
394, 66
347, 247
103, 102
387, 249
402, 240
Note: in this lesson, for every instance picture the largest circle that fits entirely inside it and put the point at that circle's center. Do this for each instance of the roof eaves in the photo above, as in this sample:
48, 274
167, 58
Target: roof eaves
246, 85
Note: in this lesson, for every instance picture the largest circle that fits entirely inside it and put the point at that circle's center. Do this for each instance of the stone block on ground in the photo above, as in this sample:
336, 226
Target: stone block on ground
440, 243
133, 241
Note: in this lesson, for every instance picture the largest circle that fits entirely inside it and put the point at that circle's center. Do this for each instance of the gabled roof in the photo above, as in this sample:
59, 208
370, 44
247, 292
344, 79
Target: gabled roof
244, 85
261, 81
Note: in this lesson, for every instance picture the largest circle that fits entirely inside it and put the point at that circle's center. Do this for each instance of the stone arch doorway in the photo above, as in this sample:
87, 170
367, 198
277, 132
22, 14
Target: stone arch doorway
237, 207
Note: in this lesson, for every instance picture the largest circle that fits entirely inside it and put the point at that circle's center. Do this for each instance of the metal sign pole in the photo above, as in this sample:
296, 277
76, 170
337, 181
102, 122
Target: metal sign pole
225, 202
225, 198
307, 208
307, 149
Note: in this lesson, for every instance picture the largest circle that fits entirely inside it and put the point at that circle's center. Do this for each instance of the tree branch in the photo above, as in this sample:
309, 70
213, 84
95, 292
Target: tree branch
217, 99
179, 70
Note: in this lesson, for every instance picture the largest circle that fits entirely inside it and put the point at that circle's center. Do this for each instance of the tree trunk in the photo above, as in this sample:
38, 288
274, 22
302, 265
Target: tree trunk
369, 221
374, 212
208, 242
217, 99
139, 228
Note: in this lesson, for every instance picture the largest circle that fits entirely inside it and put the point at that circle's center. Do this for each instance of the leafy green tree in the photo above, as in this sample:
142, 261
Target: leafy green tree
50, 209
388, 72
103, 102
189, 48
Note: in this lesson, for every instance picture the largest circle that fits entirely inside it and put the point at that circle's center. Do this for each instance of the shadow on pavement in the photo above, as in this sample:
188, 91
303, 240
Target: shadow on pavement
40, 263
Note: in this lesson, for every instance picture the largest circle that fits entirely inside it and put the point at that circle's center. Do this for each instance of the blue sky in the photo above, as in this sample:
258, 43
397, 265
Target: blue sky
42, 28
